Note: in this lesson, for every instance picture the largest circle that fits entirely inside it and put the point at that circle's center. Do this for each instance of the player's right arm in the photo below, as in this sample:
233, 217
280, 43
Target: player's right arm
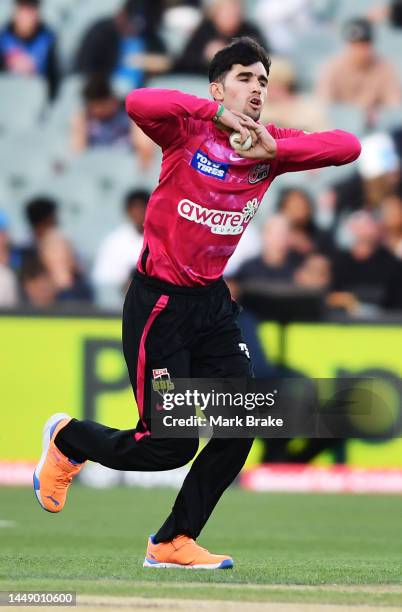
163, 114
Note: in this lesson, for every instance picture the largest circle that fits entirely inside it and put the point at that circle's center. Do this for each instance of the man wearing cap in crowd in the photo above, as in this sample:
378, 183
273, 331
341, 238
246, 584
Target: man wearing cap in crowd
358, 74
28, 46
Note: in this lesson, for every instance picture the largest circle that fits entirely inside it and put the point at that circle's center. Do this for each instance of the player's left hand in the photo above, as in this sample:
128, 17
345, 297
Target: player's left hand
264, 145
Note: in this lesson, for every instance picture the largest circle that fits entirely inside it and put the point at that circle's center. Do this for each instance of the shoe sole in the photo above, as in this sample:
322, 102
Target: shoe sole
226, 564
46, 438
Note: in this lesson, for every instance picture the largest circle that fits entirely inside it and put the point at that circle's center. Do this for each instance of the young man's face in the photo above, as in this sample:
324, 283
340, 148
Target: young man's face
244, 89
26, 19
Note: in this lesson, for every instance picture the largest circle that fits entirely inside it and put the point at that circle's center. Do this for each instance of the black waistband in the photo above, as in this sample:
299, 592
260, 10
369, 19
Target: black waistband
169, 288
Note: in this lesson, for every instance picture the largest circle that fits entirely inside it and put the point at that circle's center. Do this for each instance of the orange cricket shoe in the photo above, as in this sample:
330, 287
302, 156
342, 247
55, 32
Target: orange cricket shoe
183, 552
54, 472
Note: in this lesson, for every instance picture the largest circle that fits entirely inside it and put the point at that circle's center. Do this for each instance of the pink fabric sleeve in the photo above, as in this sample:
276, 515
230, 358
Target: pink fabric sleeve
298, 150
163, 113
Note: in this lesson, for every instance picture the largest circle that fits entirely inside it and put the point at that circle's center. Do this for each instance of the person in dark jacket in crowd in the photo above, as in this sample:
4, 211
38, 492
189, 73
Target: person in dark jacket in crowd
297, 206
223, 22
368, 270
278, 260
124, 47
28, 46
54, 252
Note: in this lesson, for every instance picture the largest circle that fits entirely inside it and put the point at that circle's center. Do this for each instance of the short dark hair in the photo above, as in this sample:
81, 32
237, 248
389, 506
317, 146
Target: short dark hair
244, 51
39, 210
288, 191
136, 194
358, 29
34, 3
97, 87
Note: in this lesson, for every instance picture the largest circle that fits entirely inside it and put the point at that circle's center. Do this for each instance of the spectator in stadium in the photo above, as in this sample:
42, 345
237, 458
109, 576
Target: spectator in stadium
28, 46
124, 47
288, 108
297, 206
277, 261
103, 122
391, 217
54, 251
314, 272
248, 247
367, 270
359, 75
37, 286
378, 176
8, 281
118, 253
224, 20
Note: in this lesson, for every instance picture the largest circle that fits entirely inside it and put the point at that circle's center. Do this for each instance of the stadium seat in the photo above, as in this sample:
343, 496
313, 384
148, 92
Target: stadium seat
23, 175
14, 209
59, 12
311, 51
16, 115
347, 117
389, 44
6, 7
25, 160
192, 84
357, 8
82, 209
90, 192
389, 118
67, 103
113, 169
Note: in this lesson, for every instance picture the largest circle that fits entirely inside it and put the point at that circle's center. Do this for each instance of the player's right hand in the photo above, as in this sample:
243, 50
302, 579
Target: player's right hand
229, 122
264, 145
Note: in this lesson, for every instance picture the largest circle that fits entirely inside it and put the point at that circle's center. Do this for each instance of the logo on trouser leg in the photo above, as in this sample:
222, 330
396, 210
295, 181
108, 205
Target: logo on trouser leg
243, 347
161, 383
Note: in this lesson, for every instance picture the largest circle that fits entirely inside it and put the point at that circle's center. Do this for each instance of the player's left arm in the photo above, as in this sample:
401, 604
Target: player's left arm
304, 151
295, 150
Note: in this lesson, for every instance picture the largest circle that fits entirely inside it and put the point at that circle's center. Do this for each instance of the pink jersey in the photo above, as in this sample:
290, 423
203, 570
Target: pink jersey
207, 194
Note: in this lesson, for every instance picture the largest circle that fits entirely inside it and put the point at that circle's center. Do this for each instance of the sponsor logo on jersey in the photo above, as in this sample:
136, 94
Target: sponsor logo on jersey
258, 173
219, 221
205, 165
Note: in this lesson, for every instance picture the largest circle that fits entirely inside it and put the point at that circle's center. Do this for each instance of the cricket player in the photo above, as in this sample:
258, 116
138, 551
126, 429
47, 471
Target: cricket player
179, 319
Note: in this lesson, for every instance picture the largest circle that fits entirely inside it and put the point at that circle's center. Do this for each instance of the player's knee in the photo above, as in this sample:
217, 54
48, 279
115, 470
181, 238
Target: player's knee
184, 452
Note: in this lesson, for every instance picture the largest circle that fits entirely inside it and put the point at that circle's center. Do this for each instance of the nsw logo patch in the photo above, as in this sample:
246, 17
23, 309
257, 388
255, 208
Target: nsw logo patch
205, 165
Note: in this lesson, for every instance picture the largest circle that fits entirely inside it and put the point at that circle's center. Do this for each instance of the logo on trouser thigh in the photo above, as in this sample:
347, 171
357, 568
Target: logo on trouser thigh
243, 347
161, 382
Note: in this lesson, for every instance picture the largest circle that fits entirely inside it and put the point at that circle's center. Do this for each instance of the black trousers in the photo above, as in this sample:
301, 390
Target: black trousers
188, 332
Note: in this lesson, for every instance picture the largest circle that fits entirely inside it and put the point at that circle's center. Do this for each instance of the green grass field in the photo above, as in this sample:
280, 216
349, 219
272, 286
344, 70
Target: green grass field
96, 546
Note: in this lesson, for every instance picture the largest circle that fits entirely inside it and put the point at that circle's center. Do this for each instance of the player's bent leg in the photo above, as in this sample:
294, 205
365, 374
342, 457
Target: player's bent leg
182, 552
54, 472
121, 449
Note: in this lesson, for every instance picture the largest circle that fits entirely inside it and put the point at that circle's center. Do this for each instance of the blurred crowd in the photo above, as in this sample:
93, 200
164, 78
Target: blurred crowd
330, 68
